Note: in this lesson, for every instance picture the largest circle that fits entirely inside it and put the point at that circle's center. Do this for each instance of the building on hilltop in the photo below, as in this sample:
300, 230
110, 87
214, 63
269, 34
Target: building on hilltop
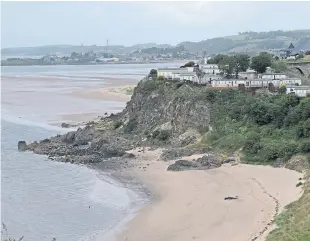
272, 76
300, 91
249, 74
210, 68
173, 73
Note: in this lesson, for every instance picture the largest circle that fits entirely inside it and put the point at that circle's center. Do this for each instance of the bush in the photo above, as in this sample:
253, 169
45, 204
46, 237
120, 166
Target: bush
252, 143
160, 77
117, 124
304, 146
131, 125
161, 135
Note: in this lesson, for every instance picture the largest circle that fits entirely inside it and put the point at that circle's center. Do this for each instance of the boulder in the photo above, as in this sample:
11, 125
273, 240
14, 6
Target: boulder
229, 159
65, 125
182, 165
22, 146
69, 137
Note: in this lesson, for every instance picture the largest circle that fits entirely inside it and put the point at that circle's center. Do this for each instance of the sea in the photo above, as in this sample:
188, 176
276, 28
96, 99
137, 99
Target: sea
42, 200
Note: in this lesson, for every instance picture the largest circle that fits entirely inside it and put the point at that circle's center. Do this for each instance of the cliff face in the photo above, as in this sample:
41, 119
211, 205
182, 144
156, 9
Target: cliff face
174, 108
159, 113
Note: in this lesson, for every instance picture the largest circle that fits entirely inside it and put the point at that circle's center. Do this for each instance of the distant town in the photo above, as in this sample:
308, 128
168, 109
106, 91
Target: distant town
275, 73
148, 55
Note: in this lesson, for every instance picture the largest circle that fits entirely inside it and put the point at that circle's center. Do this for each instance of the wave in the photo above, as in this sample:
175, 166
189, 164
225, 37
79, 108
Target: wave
26, 122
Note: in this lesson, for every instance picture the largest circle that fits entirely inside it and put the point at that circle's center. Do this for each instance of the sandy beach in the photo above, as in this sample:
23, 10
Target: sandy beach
121, 93
190, 205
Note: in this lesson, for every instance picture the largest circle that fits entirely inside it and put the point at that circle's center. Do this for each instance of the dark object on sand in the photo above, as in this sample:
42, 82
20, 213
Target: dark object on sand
231, 198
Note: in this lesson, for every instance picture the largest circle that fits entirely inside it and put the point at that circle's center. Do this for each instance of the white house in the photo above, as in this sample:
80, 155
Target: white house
249, 74
171, 73
189, 76
272, 76
275, 82
227, 83
300, 91
290, 81
210, 68
257, 83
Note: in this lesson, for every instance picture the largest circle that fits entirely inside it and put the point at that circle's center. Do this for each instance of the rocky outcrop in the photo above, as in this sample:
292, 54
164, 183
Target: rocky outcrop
22, 146
202, 163
158, 115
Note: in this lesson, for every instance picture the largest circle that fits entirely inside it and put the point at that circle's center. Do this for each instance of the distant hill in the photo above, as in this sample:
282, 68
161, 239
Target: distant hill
68, 49
252, 42
245, 42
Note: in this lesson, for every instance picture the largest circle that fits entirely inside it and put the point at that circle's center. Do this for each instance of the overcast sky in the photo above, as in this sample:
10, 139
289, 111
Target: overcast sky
128, 23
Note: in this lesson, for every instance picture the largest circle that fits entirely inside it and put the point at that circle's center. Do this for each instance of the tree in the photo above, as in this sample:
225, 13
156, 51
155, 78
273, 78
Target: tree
282, 89
217, 59
279, 66
153, 73
241, 63
190, 64
261, 62
227, 65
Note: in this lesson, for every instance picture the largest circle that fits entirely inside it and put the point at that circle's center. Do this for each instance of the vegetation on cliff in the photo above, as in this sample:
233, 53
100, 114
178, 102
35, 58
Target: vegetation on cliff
293, 224
266, 127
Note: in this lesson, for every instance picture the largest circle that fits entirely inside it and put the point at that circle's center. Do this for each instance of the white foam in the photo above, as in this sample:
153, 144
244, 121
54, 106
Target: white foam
26, 122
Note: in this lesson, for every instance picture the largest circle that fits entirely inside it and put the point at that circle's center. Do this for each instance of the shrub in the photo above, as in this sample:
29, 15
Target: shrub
304, 146
161, 135
160, 77
117, 124
131, 125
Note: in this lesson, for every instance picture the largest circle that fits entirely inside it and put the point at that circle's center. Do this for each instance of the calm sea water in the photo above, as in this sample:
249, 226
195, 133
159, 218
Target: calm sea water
40, 199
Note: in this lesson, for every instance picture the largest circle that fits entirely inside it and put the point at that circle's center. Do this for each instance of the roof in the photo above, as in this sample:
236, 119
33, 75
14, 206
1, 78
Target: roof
273, 74
248, 72
188, 74
301, 87
291, 46
172, 69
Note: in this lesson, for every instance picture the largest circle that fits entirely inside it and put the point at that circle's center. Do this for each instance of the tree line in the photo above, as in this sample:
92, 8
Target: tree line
232, 65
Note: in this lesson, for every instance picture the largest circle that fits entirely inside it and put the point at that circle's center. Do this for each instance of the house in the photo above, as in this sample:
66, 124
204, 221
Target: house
249, 74
189, 77
254, 83
265, 83
210, 68
173, 73
290, 81
227, 83
300, 91
272, 76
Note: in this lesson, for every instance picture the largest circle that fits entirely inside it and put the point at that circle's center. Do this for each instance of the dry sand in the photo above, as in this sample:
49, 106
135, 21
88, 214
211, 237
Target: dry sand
120, 93
190, 205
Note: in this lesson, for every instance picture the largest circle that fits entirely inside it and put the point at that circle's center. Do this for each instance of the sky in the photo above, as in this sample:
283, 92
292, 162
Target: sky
26, 24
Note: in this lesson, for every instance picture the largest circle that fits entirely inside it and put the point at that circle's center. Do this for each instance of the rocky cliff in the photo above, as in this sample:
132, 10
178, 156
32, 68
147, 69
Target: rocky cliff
159, 114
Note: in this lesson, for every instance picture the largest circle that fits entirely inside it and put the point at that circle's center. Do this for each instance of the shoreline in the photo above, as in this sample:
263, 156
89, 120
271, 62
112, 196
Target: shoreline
181, 208
117, 93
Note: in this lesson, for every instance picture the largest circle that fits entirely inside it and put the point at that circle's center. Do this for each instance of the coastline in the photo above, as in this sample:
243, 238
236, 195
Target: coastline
118, 93
190, 204
181, 207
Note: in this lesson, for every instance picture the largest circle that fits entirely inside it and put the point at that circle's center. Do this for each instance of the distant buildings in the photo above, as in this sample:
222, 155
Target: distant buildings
210, 68
289, 53
301, 91
209, 75
174, 73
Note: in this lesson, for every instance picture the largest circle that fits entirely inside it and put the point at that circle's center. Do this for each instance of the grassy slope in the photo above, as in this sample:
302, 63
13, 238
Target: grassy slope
294, 222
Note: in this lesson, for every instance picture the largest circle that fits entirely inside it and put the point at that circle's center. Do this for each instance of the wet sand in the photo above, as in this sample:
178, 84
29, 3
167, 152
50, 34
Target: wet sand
190, 205
121, 93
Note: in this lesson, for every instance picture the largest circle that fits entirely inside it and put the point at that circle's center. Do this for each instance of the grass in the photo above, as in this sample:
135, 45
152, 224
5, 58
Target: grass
294, 223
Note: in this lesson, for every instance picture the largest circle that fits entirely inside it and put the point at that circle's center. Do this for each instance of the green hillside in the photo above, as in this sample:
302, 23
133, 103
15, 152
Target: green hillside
252, 42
